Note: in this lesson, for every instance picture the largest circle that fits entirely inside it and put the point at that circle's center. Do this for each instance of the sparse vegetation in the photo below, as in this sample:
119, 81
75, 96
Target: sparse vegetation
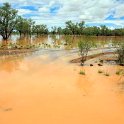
82, 72
120, 51
120, 72
100, 71
84, 47
107, 74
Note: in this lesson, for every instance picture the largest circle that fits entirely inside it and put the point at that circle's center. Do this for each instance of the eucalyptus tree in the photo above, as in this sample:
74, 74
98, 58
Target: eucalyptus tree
20, 27
67, 31
30, 25
92, 31
104, 30
96, 31
40, 29
54, 30
8, 20
81, 27
119, 32
24, 26
72, 27
59, 30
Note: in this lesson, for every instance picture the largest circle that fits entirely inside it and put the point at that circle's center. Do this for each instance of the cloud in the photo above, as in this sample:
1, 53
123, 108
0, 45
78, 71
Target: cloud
56, 12
23, 11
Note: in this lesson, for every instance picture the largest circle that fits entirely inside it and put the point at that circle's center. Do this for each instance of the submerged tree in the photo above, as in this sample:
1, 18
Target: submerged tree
8, 20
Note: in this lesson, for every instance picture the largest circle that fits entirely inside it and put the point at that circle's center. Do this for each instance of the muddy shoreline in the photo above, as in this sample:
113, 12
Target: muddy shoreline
4, 52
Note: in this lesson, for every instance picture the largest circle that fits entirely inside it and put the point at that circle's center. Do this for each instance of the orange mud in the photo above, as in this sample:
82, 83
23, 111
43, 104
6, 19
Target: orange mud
38, 90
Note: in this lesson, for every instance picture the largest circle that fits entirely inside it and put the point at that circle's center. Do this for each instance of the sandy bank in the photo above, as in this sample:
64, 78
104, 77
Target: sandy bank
78, 60
15, 51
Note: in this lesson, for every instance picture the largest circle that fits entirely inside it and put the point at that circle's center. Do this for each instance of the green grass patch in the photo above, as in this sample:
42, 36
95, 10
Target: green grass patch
82, 72
120, 72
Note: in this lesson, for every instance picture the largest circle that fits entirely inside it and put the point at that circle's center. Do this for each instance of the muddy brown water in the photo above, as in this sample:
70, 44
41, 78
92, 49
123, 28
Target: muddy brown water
44, 88
63, 42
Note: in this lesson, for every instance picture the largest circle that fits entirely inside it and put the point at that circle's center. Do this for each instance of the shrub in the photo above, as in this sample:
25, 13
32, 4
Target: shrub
120, 52
107, 74
120, 72
84, 48
100, 71
82, 72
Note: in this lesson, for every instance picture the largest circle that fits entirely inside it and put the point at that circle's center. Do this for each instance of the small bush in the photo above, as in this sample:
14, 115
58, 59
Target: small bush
101, 61
107, 74
100, 71
82, 72
120, 52
120, 72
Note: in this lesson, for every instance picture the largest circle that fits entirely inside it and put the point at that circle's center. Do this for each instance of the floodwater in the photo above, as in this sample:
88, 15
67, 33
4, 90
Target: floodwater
59, 41
44, 88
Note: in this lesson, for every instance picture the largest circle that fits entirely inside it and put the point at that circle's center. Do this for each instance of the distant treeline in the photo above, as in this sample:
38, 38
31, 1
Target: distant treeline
80, 29
11, 22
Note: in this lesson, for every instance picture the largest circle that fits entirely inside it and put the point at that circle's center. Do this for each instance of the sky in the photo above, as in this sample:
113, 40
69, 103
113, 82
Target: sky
57, 12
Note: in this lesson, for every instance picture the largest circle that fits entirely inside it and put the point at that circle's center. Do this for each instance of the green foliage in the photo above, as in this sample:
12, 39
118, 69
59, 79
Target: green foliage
40, 29
120, 72
54, 30
24, 26
74, 28
120, 51
8, 20
82, 72
84, 47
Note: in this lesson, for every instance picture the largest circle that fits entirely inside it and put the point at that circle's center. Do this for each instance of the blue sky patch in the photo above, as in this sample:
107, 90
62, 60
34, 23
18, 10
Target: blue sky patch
30, 15
32, 8
54, 9
111, 17
99, 24
54, 12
